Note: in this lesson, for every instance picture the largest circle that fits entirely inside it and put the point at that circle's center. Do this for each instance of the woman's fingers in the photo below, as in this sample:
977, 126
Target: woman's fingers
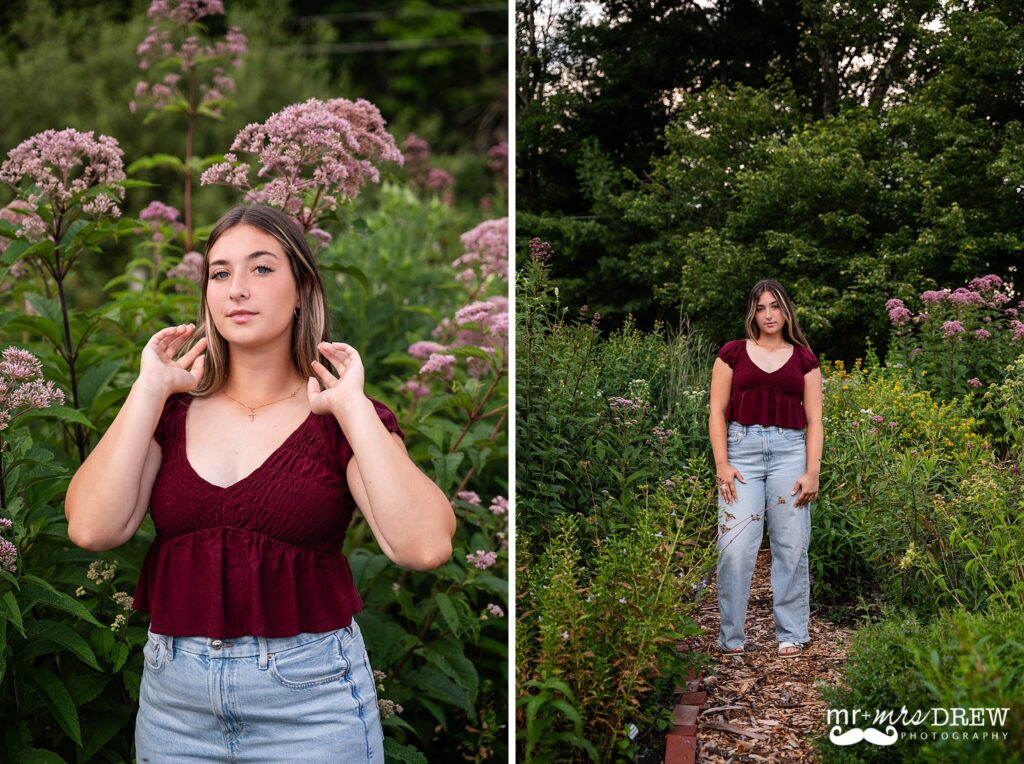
197, 367
328, 379
189, 358
740, 477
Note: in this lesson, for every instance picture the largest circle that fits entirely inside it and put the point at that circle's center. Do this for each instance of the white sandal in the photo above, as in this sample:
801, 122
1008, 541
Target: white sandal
790, 652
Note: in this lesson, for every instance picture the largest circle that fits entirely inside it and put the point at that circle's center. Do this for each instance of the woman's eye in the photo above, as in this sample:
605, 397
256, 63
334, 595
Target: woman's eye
264, 269
217, 276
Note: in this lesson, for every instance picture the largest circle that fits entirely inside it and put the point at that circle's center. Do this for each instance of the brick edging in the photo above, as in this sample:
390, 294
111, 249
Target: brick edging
681, 740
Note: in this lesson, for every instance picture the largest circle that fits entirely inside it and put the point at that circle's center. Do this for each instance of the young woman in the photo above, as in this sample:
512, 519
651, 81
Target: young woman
767, 437
252, 455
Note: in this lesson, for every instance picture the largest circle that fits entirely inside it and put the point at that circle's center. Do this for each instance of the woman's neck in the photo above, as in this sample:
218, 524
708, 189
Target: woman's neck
257, 376
775, 344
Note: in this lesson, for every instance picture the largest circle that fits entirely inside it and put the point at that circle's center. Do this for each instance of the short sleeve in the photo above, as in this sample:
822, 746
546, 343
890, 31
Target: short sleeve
730, 352
387, 416
808, 361
163, 424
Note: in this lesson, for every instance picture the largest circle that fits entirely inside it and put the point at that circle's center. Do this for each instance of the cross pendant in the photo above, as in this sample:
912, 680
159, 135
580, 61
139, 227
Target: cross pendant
252, 414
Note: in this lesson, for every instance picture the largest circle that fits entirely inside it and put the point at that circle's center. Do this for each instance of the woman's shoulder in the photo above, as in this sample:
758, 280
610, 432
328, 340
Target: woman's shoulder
808, 360
731, 351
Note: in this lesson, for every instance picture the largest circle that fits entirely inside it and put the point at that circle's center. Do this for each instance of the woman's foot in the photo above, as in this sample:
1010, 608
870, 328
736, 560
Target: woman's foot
732, 650
790, 649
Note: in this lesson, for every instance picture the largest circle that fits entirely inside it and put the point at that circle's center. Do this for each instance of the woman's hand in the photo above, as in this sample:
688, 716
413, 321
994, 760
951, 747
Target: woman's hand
338, 391
725, 475
160, 372
807, 488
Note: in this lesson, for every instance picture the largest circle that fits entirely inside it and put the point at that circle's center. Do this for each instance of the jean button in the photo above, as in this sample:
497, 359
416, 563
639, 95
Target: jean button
217, 644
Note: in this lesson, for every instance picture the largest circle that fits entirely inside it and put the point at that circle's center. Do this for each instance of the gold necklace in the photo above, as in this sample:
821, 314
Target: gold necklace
252, 409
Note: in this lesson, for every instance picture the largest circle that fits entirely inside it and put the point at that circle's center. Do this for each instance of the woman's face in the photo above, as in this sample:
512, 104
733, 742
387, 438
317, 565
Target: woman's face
769, 315
250, 291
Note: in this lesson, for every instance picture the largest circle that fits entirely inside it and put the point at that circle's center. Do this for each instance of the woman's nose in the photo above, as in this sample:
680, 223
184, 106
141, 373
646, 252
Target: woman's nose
238, 289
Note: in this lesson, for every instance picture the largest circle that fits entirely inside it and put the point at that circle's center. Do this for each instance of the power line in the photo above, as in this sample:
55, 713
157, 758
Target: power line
375, 46
379, 15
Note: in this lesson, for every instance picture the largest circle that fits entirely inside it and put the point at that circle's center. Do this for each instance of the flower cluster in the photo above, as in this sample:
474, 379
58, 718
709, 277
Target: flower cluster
8, 552
482, 559
897, 311
425, 179
499, 505
493, 611
499, 162
174, 52
58, 168
22, 387
157, 216
486, 252
101, 571
190, 269
313, 154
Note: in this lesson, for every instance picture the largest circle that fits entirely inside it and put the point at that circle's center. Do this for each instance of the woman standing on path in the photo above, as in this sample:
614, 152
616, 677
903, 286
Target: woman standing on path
253, 654
765, 392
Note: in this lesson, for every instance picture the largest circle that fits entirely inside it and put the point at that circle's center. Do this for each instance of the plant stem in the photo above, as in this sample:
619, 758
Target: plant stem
189, 139
69, 349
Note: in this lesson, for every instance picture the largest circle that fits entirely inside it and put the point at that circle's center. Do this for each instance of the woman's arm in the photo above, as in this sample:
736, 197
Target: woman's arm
109, 494
409, 515
721, 390
807, 485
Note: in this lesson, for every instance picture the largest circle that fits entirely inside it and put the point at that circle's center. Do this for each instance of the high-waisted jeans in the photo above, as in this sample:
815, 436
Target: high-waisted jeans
771, 460
310, 698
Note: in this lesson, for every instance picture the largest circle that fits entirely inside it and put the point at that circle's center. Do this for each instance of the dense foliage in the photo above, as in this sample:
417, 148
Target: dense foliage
403, 268
854, 160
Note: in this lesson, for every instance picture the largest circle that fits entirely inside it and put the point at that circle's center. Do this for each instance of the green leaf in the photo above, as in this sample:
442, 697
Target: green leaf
492, 584
35, 588
10, 606
436, 685
349, 270
154, 161
448, 611
100, 727
36, 756
3, 650
15, 251
64, 636
39, 326
402, 754
446, 470
63, 413
385, 638
448, 656
96, 378
56, 698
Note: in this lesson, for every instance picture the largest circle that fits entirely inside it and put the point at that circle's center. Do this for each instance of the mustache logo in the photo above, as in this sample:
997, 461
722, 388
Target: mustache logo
854, 735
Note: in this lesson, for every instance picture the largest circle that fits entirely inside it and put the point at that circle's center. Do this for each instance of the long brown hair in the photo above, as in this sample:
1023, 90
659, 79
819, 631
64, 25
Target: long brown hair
791, 331
312, 324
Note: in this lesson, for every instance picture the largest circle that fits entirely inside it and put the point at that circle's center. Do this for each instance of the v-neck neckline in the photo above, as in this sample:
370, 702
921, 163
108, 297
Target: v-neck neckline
746, 349
244, 479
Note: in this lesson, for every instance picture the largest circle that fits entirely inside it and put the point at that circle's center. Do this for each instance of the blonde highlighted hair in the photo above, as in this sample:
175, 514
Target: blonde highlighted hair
311, 324
791, 331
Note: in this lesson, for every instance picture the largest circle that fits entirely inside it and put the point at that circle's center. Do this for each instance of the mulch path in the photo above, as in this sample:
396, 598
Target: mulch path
761, 707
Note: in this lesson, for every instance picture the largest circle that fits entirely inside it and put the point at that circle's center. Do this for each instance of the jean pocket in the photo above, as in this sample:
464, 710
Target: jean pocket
154, 654
317, 662
735, 434
794, 436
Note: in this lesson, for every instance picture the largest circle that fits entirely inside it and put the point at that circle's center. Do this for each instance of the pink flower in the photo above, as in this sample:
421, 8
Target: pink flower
1018, 329
854, 424
439, 363
984, 283
415, 389
481, 559
877, 418
982, 334
190, 268
974, 382
935, 296
898, 313
470, 497
5, 522
424, 348
964, 296
159, 211
952, 328
486, 249
499, 505
495, 610
327, 149
60, 166
8, 556
499, 162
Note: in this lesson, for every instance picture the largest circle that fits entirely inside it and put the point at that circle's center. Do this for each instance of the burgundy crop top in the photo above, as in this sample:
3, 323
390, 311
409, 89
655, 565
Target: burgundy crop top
769, 399
261, 557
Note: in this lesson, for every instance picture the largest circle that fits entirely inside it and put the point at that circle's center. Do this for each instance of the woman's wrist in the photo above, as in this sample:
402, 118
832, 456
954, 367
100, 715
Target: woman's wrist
349, 408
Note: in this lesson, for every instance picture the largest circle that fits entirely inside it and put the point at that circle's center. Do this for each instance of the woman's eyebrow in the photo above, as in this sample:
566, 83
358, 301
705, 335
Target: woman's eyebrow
251, 256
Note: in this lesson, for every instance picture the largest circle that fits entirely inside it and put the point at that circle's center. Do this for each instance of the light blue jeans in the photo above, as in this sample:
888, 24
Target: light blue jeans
771, 460
310, 698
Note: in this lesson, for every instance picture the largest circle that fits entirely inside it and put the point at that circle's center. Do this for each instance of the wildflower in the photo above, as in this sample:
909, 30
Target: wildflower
1011, 312
894, 424
495, 610
325, 148
389, 708
910, 557
439, 363
934, 296
424, 348
916, 351
873, 430
622, 600
854, 424
470, 497
877, 418
5, 522
123, 600
101, 570
964, 296
1015, 469
985, 283
499, 505
80, 591
481, 559
499, 161
898, 312
19, 388
8, 556
486, 248
565, 635
540, 250
62, 165
190, 269
974, 382
1018, 329
952, 328
981, 334
119, 623
415, 389
160, 212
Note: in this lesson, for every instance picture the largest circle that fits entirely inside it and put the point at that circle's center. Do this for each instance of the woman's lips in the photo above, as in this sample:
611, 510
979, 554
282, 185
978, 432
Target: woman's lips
242, 318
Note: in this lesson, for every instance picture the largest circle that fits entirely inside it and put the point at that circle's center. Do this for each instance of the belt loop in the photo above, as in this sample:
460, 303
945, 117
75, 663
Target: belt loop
263, 652
170, 648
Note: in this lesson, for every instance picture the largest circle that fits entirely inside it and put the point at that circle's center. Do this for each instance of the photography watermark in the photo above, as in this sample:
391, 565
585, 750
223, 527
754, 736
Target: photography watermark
885, 727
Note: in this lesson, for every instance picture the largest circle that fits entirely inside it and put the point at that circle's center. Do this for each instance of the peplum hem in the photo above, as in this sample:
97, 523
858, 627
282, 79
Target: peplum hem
226, 582
766, 406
